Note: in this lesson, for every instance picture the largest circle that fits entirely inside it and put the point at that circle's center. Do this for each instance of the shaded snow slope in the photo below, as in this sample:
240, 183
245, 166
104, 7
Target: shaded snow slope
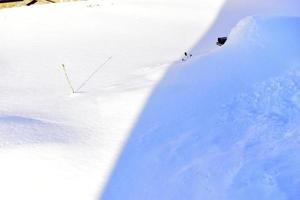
233, 11
222, 126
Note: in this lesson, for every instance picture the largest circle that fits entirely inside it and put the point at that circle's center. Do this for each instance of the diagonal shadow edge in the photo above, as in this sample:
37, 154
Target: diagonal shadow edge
126, 175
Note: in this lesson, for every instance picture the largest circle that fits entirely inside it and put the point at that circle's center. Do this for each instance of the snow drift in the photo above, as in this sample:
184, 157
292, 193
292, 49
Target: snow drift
221, 126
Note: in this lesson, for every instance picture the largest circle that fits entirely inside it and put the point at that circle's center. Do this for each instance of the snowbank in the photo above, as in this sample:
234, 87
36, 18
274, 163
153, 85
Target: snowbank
222, 126
234, 10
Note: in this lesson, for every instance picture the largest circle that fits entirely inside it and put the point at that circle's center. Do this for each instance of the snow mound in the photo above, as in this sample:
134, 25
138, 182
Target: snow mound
267, 30
223, 126
18, 130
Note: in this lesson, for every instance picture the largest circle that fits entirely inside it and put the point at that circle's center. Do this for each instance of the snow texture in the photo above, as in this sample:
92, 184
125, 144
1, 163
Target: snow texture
142, 124
223, 126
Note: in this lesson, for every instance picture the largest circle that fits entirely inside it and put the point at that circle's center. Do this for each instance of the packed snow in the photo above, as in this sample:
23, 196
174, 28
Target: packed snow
142, 124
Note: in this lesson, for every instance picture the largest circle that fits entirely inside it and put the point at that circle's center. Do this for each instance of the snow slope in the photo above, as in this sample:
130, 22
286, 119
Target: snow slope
234, 10
222, 126
57, 145
60, 146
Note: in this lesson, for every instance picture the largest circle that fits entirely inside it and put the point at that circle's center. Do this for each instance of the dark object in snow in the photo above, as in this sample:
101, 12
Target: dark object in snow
35, 1
31, 2
221, 41
186, 56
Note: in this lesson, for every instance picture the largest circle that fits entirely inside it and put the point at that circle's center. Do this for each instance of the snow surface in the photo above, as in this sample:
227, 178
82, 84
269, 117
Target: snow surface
220, 126
55, 145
